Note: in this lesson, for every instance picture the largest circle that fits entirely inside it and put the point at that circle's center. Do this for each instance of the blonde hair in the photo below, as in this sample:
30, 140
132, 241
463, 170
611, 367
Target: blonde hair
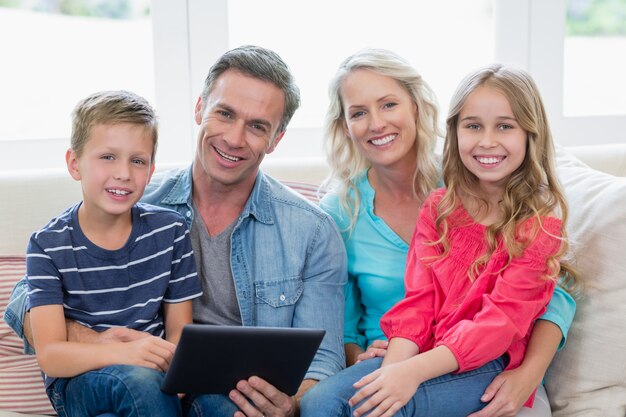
345, 160
111, 107
531, 191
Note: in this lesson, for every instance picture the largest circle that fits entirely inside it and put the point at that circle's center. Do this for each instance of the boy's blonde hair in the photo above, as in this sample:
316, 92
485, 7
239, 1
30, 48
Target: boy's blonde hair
345, 160
531, 191
109, 108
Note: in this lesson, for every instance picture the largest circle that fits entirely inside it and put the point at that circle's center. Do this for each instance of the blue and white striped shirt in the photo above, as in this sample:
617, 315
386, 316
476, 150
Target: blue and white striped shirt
101, 288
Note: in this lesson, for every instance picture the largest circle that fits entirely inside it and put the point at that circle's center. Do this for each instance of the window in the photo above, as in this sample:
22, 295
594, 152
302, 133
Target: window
594, 58
56, 53
531, 34
444, 40
165, 53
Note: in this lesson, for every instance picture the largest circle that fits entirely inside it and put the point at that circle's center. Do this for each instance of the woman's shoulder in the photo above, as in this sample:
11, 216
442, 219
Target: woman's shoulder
331, 204
338, 201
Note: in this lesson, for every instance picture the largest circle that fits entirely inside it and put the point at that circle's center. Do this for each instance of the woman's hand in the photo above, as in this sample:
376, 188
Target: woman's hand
377, 348
507, 394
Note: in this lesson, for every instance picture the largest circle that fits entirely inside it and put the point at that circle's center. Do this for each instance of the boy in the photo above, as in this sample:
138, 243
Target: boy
111, 262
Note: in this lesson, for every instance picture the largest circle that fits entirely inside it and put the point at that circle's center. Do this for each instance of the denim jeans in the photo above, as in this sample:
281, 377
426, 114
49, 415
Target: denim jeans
123, 390
445, 396
206, 405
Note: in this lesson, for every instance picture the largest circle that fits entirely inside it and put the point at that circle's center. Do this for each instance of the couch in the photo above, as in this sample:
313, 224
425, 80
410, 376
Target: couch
587, 378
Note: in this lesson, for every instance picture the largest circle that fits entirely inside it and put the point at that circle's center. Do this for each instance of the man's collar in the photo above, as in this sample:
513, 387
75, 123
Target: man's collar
259, 202
180, 193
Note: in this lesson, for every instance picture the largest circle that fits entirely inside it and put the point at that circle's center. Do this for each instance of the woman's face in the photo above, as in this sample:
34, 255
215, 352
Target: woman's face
380, 117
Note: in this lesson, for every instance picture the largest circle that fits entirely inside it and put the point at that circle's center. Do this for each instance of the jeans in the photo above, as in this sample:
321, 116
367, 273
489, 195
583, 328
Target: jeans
123, 390
445, 396
209, 405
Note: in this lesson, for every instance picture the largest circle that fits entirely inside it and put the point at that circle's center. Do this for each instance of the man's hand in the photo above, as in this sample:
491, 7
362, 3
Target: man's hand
256, 397
82, 334
506, 394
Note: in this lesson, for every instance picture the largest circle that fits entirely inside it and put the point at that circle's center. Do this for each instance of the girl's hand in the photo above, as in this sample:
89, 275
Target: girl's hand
385, 391
377, 348
506, 394
149, 352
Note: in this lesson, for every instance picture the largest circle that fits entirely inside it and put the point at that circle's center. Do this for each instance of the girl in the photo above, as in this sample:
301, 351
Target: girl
482, 263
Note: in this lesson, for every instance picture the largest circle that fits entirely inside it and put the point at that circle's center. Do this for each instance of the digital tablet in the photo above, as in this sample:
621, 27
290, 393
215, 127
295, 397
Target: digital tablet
212, 359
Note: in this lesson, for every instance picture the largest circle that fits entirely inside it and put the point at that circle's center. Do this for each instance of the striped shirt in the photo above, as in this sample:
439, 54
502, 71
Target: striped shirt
101, 288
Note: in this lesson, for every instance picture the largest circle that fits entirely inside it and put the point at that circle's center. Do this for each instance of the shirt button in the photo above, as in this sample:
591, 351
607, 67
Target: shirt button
188, 214
282, 297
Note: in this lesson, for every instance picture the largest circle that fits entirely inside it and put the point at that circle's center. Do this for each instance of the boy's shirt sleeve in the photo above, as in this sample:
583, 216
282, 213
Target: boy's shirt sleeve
184, 282
42, 277
16, 310
561, 310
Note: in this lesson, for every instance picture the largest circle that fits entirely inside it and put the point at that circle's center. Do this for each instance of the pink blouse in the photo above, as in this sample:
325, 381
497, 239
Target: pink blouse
481, 320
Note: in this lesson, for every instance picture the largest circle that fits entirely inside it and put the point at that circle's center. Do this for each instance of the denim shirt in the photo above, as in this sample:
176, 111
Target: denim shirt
287, 259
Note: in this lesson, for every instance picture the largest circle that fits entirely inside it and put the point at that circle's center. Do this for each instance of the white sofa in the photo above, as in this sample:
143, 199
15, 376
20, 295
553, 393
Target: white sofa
587, 378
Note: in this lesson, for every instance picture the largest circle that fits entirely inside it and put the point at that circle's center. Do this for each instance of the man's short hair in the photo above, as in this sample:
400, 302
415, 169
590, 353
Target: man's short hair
263, 64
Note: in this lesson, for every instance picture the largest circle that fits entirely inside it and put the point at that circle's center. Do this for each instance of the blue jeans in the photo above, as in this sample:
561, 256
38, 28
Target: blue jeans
448, 395
206, 405
123, 390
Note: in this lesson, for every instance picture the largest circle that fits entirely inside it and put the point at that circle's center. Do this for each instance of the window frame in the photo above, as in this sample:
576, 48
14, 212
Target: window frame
189, 35
531, 35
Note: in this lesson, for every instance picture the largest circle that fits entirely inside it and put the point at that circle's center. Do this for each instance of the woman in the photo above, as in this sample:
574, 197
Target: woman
381, 130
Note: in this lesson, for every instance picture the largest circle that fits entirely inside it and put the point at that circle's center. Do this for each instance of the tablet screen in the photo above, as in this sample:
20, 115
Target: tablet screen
212, 359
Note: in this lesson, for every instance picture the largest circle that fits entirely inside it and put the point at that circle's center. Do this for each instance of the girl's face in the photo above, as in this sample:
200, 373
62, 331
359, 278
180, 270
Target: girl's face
380, 117
492, 145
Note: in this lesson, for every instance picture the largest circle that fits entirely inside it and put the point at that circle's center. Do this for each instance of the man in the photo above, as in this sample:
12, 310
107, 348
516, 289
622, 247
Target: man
266, 257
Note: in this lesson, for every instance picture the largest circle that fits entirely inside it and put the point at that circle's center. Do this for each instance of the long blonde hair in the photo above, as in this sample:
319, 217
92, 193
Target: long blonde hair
531, 191
345, 160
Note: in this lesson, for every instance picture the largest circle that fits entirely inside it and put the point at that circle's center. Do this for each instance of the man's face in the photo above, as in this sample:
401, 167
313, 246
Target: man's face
238, 125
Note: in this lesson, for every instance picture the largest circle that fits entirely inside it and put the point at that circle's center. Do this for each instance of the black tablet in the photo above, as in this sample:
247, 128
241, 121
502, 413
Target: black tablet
212, 359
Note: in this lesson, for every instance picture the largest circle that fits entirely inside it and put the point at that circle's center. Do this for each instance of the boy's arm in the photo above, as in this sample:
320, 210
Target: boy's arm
176, 315
81, 334
59, 358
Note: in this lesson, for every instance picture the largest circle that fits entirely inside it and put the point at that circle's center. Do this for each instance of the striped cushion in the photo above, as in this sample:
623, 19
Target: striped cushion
311, 192
21, 383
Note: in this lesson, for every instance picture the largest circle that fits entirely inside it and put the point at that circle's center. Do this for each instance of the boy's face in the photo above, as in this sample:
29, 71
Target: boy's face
114, 168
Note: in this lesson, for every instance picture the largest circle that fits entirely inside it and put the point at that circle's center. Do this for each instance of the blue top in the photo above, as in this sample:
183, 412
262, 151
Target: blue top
376, 281
102, 288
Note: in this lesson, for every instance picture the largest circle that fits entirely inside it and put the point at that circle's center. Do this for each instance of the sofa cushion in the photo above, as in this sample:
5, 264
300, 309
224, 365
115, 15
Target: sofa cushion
21, 383
588, 377
311, 192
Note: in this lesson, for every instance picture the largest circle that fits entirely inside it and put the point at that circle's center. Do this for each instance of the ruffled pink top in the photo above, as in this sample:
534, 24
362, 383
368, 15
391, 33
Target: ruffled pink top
481, 320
